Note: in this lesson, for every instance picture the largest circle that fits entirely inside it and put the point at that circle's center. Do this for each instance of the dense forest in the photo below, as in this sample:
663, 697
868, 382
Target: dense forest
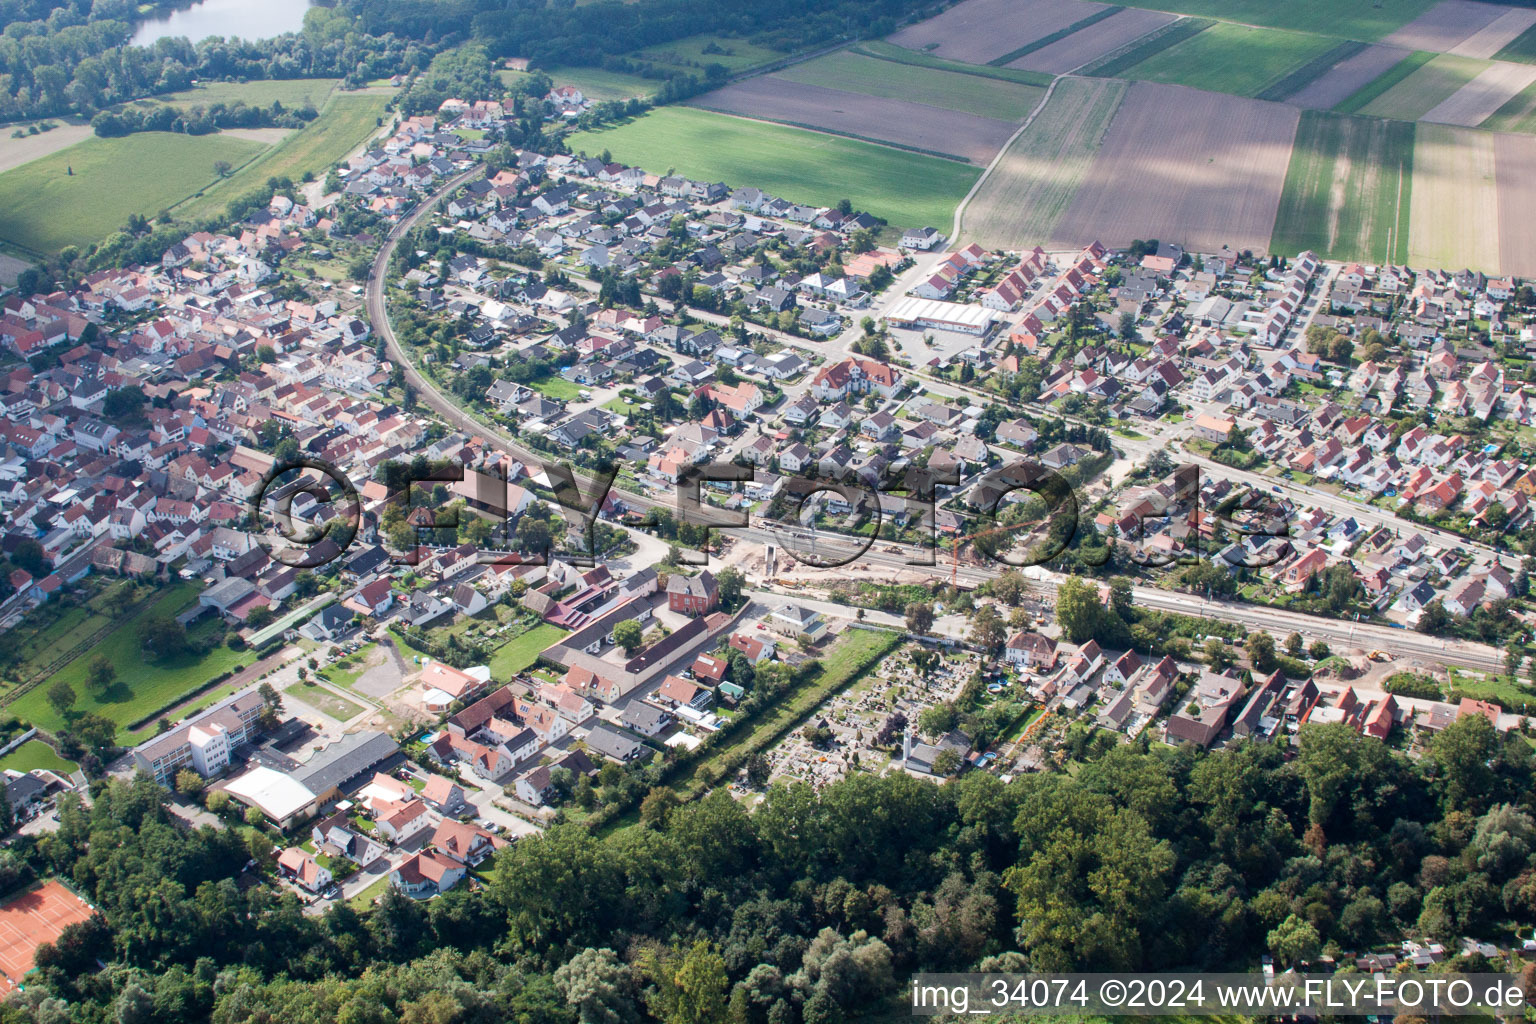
814, 906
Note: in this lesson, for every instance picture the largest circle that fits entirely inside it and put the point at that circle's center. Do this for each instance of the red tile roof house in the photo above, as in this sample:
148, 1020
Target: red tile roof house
427, 874
302, 868
373, 599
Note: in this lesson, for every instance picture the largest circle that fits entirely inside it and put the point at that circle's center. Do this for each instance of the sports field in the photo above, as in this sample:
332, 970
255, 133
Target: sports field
37, 916
141, 686
345, 122
1234, 59
1033, 184
1348, 189
971, 94
1426, 88
81, 194
1345, 20
1455, 218
906, 189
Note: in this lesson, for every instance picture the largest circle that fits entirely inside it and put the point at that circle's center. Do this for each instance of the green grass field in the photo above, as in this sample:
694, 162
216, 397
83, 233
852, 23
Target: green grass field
344, 123
1342, 196
141, 686
1522, 48
323, 700
597, 84
517, 654
871, 76
1233, 59
558, 388
901, 55
1368, 93
738, 55
1343, 19
1517, 115
905, 189
43, 207
35, 754
1423, 89
293, 93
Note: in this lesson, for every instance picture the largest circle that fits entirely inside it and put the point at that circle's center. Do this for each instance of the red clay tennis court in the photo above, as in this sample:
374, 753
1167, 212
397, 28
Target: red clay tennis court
30, 920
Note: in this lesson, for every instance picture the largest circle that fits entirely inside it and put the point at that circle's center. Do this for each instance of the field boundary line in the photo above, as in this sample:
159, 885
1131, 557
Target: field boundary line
997, 158
1054, 37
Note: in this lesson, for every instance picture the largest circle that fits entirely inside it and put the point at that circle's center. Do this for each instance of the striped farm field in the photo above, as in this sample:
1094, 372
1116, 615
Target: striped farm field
1517, 115
1455, 213
1426, 88
1122, 28
971, 94
1515, 163
1521, 48
1485, 95
1370, 91
1348, 77
1187, 166
1343, 20
1235, 59
1348, 189
978, 31
1039, 174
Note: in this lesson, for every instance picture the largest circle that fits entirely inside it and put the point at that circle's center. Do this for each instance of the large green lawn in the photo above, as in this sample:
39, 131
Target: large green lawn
344, 123
906, 189
1235, 59
973, 94
44, 207
597, 84
36, 754
293, 93
1367, 20
520, 652
734, 54
141, 686
1364, 216
322, 699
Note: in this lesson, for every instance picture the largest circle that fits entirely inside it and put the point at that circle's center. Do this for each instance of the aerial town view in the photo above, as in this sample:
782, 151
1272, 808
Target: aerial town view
662, 512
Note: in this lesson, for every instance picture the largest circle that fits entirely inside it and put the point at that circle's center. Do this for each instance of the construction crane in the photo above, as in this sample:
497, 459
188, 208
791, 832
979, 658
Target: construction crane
954, 571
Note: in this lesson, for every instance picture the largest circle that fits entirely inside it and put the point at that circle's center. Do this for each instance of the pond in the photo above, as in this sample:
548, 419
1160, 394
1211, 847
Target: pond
242, 19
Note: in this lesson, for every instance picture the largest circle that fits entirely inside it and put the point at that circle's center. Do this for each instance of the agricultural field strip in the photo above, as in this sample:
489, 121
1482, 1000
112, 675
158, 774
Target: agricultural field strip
1121, 29
1342, 187
1114, 63
1455, 218
1231, 58
1057, 36
1446, 25
1484, 96
1177, 163
1311, 71
1426, 88
1515, 170
1368, 22
1499, 33
1518, 115
1348, 77
872, 76
915, 125
979, 31
1037, 176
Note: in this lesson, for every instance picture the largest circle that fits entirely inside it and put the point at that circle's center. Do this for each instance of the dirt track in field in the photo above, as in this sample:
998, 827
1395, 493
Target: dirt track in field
872, 117
977, 31
1093, 42
1186, 166
1347, 77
